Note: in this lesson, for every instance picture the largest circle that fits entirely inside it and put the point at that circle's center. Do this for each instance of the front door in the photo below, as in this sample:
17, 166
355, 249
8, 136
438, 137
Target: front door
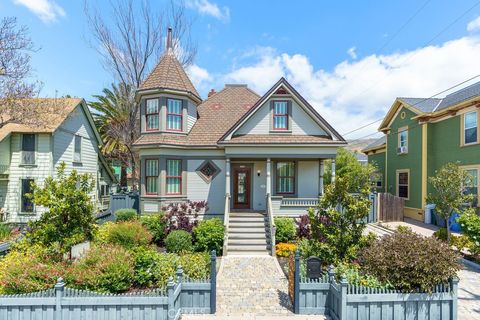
241, 188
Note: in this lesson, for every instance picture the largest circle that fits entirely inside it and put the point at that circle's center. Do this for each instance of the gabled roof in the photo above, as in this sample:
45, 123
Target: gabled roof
422, 104
283, 83
459, 96
215, 116
169, 74
377, 144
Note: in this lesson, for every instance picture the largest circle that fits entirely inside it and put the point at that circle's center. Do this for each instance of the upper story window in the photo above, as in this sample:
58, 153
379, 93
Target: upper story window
151, 177
152, 114
28, 149
402, 140
174, 115
174, 176
77, 153
285, 183
470, 127
280, 115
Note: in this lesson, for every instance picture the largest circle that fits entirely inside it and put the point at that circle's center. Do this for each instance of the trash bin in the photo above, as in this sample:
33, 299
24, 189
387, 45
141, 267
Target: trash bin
428, 213
454, 225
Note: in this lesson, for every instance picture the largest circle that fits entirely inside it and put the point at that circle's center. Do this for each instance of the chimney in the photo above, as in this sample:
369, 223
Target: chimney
211, 93
169, 39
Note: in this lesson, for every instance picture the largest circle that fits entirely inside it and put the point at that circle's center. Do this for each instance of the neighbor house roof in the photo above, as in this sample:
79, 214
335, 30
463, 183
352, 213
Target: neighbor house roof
51, 113
277, 138
422, 104
215, 116
459, 96
377, 144
169, 74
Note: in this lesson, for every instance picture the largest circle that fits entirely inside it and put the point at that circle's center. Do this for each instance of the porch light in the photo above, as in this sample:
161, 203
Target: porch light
258, 173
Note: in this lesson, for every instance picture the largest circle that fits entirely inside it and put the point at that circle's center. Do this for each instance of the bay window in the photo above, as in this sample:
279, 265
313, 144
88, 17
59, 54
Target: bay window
151, 177
174, 115
285, 173
152, 114
174, 176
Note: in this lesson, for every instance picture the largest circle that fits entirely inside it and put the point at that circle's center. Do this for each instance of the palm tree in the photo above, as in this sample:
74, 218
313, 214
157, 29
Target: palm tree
115, 114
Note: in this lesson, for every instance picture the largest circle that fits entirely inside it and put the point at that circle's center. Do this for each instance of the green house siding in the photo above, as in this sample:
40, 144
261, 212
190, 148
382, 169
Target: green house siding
444, 146
378, 159
411, 160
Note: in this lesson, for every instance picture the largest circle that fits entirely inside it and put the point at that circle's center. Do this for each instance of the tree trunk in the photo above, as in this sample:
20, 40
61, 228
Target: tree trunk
123, 176
448, 227
134, 172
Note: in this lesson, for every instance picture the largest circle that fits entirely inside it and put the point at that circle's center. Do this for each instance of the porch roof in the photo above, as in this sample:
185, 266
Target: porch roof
279, 139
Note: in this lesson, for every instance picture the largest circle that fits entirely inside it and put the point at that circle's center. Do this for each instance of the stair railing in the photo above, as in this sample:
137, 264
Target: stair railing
226, 219
271, 224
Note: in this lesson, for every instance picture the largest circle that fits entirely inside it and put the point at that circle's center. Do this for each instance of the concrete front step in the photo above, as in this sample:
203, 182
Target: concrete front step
246, 224
248, 253
247, 219
248, 247
246, 229
234, 242
247, 235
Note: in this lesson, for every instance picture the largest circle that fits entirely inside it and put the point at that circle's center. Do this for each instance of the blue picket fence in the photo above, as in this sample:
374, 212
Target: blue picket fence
342, 301
123, 200
181, 296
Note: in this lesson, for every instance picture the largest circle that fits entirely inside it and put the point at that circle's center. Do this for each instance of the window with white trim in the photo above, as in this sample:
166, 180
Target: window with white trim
174, 115
470, 127
151, 176
152, 110
285, 174
403, 139
280, 115
77, 152
28, 148
174, 176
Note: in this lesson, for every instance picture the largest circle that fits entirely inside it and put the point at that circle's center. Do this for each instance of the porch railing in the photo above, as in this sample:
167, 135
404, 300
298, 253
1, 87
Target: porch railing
226, 219
271, 223
299, 202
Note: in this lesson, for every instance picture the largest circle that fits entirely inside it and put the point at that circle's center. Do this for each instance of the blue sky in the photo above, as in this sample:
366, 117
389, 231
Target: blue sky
341, 55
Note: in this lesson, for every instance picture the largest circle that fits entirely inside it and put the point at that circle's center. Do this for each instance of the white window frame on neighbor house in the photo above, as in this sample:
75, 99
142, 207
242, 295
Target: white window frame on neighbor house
29, 151
465, 128
403, 138
475, 168
77, 153
398, 172
22, 195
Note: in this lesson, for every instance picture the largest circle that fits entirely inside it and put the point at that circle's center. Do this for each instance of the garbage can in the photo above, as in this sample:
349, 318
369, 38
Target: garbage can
454, 225
428, 213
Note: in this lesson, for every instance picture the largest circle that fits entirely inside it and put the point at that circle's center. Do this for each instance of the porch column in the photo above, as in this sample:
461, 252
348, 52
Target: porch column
269, 177
227, 177
333, 170
320, 178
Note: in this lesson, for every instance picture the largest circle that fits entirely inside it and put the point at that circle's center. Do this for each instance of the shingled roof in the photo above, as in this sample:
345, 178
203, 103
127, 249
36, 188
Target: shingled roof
169, 74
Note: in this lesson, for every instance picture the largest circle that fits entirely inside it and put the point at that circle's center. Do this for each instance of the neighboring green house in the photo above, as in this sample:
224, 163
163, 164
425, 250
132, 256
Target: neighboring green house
422, 135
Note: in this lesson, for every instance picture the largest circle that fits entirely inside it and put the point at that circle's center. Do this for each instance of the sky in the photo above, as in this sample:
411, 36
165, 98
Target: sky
349, 59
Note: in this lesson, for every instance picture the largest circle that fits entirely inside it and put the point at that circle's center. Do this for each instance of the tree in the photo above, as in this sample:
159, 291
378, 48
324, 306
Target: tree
69, 217
114, 123
448, 194
15, 49
130, 43
347, 165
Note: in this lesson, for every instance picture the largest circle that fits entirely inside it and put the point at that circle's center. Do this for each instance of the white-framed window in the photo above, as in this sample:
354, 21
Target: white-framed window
151, 176
403, 184
174, 176
280, 115
471, 186
285, 177
152, 110
28, 148
174, 115
77, 152
470, 127
403, 140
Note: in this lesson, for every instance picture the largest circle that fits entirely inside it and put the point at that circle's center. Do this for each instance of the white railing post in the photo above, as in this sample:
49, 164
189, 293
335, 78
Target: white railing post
320, 178
269, 176
333, 171
271, 223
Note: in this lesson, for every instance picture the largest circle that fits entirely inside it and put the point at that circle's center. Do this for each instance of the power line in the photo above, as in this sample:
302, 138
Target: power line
413, 105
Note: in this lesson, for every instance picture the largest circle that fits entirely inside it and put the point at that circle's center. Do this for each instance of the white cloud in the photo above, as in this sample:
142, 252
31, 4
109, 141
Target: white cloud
474, 25
208, 8
46, 10
352, 53
355, 93
199, 76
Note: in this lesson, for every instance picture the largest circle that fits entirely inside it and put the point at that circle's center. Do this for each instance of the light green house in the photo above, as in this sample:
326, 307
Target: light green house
422, 135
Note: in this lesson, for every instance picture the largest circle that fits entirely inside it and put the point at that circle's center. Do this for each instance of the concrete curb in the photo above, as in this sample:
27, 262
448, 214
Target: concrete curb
471, 264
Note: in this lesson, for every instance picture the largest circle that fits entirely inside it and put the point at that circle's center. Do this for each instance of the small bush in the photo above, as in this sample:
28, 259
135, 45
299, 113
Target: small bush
28, 270
470, 223
303, 227
312, 247
410, 262
401, 228
195, 265
285, 229
155, 224
106, 268
179, 241
441, 234
165, 268
125, 215
285, 249
183, 216
146, 263
209, 235
128, 234
354, 276
461, 242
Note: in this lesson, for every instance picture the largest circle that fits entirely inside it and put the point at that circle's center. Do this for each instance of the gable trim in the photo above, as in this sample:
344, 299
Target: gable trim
393, 112
302, 103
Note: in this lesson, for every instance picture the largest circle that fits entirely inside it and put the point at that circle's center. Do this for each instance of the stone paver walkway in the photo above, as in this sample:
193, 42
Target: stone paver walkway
252, 287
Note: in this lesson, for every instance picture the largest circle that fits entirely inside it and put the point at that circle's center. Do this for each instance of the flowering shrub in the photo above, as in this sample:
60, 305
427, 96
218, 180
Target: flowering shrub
284, 229
303, 227
470, 223
156, 225
106, 268
209, 235
179, 241
146, 262
354, 276
29, 270
409, 261
183, 216
195, 265
128, 234
285, 249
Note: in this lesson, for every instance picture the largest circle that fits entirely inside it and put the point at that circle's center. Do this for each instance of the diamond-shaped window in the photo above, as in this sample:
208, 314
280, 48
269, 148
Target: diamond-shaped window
208, 170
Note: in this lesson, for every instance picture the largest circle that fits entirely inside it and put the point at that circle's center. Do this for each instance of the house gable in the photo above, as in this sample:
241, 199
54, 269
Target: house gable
303, 120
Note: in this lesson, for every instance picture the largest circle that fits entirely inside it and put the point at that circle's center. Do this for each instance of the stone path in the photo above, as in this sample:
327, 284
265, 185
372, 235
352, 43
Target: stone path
252, 287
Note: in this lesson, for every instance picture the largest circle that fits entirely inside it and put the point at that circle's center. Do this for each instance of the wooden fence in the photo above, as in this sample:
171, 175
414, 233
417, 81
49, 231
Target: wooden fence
342, 301
390, 207
61, 303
